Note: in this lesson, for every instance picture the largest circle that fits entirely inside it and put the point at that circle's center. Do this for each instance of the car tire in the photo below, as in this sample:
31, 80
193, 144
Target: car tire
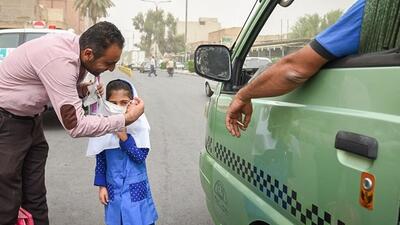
209, 92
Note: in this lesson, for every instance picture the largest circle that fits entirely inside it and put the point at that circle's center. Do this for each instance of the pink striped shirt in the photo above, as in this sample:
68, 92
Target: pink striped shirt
49, 69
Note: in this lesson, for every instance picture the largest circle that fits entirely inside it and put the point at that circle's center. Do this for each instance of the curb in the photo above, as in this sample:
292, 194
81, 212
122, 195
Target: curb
186, 72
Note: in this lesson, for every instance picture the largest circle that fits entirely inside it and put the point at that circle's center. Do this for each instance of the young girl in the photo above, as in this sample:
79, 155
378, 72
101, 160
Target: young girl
120, 163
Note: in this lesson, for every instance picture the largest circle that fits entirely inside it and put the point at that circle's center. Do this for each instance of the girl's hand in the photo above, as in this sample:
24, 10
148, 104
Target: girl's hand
103, 195
122, 135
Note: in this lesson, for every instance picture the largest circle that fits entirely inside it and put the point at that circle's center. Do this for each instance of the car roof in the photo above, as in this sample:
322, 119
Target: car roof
33, 30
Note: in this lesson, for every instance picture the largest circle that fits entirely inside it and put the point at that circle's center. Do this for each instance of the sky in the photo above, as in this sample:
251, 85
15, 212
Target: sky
230, 13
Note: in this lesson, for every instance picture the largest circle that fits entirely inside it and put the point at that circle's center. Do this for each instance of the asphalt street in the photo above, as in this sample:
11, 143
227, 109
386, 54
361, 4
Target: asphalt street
175, 109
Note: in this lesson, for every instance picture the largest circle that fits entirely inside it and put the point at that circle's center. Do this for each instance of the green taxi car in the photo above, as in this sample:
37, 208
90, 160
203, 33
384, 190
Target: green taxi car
327, 153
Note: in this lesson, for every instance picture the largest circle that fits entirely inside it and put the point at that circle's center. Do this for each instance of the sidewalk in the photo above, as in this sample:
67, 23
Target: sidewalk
186, 72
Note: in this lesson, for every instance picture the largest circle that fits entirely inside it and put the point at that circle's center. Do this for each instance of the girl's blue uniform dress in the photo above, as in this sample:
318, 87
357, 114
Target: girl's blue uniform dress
123, 171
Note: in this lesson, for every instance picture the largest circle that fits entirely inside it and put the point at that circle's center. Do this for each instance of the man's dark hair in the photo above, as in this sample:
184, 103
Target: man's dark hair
101, 36
116, 85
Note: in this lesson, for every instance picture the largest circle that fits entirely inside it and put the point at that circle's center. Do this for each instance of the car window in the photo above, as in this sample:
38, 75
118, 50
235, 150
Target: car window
290, 28
31, 36
10, 40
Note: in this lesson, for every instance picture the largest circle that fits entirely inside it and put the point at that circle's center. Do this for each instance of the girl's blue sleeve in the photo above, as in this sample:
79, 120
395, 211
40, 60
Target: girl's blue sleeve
136, 154
100, 171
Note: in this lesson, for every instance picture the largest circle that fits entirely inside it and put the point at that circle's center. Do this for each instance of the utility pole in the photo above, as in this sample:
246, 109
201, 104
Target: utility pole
287, 29
186, 13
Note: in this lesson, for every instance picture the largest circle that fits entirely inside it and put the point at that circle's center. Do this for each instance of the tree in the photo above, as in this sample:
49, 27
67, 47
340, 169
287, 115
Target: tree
330, 18
306, 27
94, 9
156, 27
310, 25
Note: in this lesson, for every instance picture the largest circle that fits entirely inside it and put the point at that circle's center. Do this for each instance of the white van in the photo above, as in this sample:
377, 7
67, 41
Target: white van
12, 38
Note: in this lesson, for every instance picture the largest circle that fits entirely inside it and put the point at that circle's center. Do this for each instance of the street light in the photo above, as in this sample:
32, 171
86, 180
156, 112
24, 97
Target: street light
156, 3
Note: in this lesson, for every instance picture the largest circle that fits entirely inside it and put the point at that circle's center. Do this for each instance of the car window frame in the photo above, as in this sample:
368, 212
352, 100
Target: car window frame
248, 36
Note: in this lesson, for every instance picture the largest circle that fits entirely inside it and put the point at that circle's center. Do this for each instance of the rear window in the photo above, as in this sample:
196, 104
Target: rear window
31, 36
10, 40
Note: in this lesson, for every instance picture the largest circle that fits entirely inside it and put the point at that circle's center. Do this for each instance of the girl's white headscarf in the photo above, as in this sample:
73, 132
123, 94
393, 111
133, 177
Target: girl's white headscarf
140, 130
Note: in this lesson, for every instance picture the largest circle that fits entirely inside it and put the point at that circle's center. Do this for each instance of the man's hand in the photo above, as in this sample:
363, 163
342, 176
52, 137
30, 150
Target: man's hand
84, 88
134, 110
234, 116
100, 89
122, 135
103, 195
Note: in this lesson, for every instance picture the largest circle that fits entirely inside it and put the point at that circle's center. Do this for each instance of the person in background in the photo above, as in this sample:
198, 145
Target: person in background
170, 67
152, 66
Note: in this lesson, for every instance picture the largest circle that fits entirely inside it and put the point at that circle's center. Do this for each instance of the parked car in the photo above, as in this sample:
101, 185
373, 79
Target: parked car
134, 66
179, 66
251, 66
144, 67
255, 63
210, 87
12, 38
325, 153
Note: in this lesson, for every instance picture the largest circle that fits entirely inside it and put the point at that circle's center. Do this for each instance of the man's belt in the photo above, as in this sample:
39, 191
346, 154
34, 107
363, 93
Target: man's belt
10, 115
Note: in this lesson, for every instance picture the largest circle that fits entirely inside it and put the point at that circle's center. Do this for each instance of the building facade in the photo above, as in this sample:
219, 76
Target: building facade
198, 30
58, 13
224, 36
62, 13
17, 13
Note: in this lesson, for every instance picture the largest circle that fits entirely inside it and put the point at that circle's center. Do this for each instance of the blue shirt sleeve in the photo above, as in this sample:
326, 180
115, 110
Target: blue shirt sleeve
100, 171
343, 37
136, 154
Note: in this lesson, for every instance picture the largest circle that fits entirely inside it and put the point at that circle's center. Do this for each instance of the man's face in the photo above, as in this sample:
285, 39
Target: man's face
105, 62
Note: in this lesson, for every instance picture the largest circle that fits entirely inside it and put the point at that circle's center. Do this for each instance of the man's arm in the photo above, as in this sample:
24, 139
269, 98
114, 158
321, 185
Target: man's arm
284, 76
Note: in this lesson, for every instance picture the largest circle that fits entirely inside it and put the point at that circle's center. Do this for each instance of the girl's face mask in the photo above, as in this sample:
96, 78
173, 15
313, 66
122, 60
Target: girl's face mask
113, 108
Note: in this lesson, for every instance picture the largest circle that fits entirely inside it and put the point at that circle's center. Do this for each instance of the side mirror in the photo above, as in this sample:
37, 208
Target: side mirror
285, 3
213, 62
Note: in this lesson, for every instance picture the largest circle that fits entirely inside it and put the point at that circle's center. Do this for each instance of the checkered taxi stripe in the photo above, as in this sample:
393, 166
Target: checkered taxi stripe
276, 191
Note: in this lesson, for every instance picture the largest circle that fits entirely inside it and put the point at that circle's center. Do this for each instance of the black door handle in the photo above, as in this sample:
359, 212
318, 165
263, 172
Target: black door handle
358, 144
